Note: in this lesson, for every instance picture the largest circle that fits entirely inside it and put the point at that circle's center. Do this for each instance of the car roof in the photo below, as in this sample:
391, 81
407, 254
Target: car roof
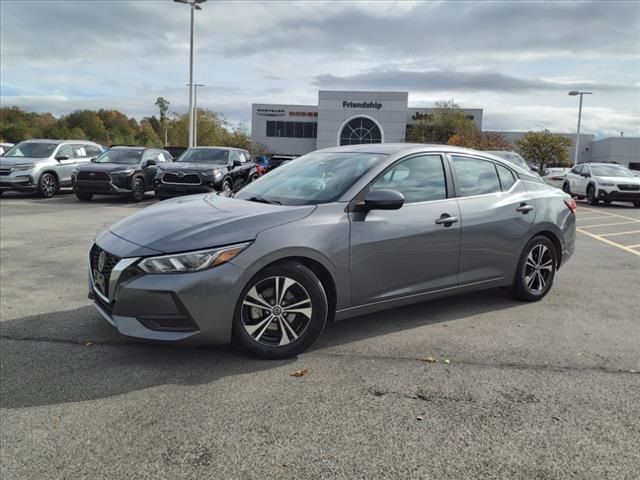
218, 148
125, 147
57, 141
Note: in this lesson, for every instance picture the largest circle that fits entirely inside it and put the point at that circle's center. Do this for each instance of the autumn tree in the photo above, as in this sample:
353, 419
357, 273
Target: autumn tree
480, 140
544, 148
163, 106
446, 120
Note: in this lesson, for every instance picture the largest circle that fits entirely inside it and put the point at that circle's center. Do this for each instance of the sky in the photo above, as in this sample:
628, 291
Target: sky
516, 60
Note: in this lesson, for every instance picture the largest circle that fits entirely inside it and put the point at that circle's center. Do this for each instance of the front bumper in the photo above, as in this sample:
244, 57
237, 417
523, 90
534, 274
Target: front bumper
100, 187
165, 190
619, 196
191, 308
18, 181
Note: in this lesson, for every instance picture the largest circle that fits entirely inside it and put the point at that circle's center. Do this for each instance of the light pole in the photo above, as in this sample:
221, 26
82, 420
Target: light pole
195, 5
573, 93
195, 112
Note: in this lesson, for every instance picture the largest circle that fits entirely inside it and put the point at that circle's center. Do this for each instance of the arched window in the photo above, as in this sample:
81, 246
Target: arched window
360, 130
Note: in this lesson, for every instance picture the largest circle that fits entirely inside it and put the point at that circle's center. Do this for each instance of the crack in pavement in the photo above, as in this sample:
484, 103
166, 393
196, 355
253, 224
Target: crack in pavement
515, 366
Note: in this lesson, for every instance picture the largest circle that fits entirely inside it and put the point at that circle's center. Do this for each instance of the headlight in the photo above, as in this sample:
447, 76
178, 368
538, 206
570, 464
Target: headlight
127, 171
217, 173
191, 261
74, 171
23, 167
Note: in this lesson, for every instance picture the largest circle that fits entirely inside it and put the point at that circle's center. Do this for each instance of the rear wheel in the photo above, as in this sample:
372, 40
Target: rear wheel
636, 204
536, 270
84, 196
280, 312
137, 190
591, 195
566, 188
47, 185
253, 177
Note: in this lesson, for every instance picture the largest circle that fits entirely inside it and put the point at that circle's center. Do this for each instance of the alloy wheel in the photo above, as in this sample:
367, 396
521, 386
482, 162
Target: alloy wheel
538, 268
48, 185
226, 189
138, 190
276, 311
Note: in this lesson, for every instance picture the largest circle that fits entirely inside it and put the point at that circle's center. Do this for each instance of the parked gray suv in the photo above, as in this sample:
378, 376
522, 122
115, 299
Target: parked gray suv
43, 166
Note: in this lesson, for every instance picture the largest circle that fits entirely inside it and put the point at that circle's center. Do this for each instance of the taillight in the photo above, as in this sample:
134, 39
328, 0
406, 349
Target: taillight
556, 178
571, 203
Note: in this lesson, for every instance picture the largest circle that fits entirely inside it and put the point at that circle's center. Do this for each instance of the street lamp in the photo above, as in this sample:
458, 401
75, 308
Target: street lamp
195, 5
195, 112
573, 93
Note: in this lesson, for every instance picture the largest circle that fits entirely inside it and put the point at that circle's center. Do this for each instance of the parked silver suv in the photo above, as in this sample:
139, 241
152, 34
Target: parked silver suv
43, 166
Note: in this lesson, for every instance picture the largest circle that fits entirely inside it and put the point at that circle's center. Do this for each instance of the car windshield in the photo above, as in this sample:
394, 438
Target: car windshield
124, 156
610, 171
512, 157
32, 150
208, 155
319, 177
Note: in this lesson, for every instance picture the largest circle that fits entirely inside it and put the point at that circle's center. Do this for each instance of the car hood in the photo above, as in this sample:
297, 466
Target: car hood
625, 180
203, 221
105, 167
192, 167
11, 161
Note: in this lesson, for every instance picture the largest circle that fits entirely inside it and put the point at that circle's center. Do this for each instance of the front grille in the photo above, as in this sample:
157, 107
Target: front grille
110, 262
629, 188
186, 179
97, 176
5, 171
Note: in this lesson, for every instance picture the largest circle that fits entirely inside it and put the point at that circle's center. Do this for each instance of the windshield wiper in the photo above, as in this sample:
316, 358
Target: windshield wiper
264, 200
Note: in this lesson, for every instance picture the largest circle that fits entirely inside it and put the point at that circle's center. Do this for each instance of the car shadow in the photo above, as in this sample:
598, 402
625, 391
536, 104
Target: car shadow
71, 356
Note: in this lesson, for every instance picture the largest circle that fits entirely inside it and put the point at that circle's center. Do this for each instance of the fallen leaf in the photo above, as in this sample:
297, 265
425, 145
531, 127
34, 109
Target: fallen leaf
430, 360
557, 419
56, 419
88, 344
419, 418
300, 373
447, 361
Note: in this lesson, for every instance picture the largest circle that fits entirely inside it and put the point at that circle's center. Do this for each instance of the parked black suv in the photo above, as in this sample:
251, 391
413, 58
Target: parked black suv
206, 169
127, 171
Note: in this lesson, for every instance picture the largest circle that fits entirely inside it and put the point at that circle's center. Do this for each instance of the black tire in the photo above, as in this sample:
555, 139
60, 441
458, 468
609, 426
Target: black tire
636, 204
253, 177
566, 188
592, 199
227, 188
47, 185
84, 196
137, 190
257, 331
607, 202
527, 285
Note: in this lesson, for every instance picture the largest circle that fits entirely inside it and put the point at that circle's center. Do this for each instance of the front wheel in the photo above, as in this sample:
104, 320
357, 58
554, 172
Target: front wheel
84, 196
591, 195
227, 188
536, 270
636, 204
47, 185
280, 312
137, 190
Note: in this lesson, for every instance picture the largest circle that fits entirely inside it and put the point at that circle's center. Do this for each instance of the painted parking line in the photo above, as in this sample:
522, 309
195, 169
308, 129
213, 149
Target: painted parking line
618, 233
609, 242
634, 246
610, 224
609, 213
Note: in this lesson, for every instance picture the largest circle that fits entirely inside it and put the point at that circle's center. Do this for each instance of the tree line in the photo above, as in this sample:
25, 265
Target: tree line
112, 127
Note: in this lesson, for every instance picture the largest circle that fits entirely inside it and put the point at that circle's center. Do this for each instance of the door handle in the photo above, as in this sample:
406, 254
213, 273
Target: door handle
446, 220
524, 208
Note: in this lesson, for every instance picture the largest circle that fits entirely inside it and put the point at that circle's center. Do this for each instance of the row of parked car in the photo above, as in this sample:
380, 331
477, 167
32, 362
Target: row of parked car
45, 166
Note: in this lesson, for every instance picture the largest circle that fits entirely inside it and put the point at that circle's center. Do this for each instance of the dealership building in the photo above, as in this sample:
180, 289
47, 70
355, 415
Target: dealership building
339, 118
349, 118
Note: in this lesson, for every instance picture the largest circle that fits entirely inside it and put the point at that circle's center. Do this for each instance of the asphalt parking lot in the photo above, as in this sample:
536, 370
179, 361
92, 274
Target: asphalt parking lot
544, 390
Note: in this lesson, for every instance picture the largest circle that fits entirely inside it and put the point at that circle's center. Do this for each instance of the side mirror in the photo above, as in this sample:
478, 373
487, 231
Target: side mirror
93, 160
62, 157
151, 163
237, 163
535, 169
383, 199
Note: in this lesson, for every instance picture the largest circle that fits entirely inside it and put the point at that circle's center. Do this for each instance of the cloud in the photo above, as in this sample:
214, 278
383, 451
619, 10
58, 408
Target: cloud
449, 80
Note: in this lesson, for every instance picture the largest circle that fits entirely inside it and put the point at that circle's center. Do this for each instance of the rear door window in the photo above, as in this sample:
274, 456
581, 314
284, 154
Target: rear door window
506, 177
475, 176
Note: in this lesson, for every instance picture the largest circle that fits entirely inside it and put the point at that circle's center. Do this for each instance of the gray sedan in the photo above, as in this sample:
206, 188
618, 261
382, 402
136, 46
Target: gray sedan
333, 234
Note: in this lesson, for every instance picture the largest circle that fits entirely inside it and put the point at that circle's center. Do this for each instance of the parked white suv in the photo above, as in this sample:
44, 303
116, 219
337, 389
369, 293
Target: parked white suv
603, 181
